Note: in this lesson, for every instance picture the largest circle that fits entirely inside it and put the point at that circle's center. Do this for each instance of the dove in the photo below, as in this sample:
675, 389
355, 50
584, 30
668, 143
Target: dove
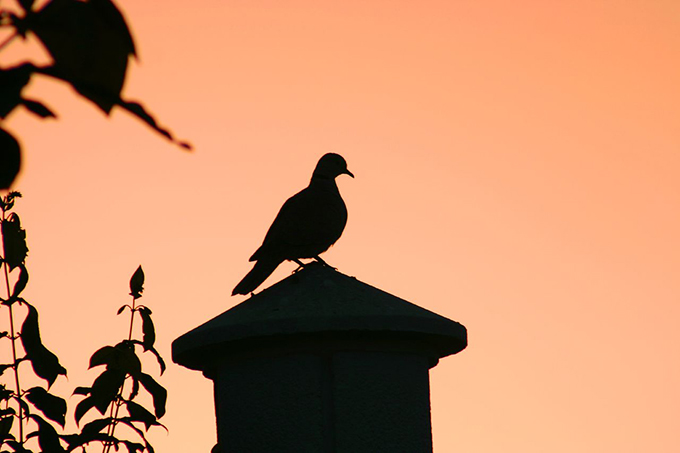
308, 223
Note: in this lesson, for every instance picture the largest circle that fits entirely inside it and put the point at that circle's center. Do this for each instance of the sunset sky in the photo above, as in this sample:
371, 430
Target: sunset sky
517, 170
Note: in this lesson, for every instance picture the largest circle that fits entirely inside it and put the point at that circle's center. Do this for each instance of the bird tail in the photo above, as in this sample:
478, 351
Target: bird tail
263, 268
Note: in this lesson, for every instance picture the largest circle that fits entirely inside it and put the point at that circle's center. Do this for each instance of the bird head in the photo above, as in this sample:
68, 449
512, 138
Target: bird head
330, 166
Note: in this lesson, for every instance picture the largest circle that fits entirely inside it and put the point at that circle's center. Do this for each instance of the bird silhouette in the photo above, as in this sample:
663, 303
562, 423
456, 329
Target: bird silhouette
308, 223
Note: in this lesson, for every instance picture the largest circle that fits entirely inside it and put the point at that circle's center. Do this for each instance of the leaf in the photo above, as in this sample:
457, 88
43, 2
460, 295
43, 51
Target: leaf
5, 426
26, 5
128, 422
149, 333
13, 241
137, 283
90, 44
45, 364
7, 203
82, 408
140, 112
159, 394
105, 388
4, 367
120, 310
138, 413
19, 286
48, 439
95, 427
135, 389
38, 108
104, 356
51, 406
121, 357
12, 81
132, 447
82, 391
10, 159
160, 360
4, 393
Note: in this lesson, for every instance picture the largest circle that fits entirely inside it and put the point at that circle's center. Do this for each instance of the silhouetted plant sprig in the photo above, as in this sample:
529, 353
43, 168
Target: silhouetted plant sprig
89, 42
20, 409
116, 388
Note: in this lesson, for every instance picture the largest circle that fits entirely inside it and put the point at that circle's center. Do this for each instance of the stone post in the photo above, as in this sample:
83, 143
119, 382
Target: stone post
321, 363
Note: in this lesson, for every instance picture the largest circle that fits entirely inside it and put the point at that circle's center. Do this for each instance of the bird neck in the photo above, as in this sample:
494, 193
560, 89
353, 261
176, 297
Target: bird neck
323, 182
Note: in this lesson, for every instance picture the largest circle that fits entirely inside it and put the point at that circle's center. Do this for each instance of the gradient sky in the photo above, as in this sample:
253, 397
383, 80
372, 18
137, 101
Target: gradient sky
517, 171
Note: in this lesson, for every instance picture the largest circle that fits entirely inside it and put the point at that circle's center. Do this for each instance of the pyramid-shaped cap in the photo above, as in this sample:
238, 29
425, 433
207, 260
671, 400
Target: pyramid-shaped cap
318, 302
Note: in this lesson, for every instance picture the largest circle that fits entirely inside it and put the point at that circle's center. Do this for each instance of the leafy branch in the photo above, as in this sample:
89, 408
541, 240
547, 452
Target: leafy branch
24, 406
90, 45
110, 392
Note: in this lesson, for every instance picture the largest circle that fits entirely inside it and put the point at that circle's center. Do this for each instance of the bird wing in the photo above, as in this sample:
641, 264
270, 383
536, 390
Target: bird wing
310, 219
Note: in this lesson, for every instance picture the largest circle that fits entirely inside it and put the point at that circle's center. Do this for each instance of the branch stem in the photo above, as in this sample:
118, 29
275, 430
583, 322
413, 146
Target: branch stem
7, 41
14, 348
117, 402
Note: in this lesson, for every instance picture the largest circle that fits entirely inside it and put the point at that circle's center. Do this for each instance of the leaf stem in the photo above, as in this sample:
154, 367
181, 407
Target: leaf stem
118, 403
7, 41
14, 348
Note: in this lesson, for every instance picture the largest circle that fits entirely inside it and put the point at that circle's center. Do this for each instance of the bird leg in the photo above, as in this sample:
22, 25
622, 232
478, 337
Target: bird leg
300, 264
319, 260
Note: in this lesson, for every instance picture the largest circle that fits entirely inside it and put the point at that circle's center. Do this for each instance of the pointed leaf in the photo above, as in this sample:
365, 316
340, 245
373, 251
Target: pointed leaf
12, 81
51, 406
104, 356
140, 112
45, 364
159, 394
82, 391
120, 310
137, 283
148, 329
132, 447
105, 389
95, 427
26, 5
128, 422
19, 286
4, 393
10, 158
38, 108
13, 241
5, 426
139, 414
160, 360
90, 45
48, 439
4, 367
82, 408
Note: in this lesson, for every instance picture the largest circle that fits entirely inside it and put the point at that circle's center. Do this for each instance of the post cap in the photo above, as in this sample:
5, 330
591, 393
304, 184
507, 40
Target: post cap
318, 303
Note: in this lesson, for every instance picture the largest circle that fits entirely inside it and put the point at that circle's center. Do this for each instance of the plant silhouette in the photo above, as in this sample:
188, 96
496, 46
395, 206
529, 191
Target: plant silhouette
35, 412
90, 44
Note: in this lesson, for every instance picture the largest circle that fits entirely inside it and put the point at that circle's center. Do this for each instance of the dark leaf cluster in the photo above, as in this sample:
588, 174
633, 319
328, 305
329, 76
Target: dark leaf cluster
36, 404
114, 391
90, 45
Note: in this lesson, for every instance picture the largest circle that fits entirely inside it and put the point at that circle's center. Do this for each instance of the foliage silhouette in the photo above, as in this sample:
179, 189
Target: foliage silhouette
37, 413
22, 408
90, 44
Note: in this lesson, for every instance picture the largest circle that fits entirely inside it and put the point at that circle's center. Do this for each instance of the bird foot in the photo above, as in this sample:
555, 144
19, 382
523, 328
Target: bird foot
321, 261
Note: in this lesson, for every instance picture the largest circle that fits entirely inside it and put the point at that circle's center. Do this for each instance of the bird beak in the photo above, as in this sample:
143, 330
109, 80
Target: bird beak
347, 172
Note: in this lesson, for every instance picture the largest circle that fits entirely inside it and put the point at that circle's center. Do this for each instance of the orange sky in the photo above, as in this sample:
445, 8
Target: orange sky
517, 171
